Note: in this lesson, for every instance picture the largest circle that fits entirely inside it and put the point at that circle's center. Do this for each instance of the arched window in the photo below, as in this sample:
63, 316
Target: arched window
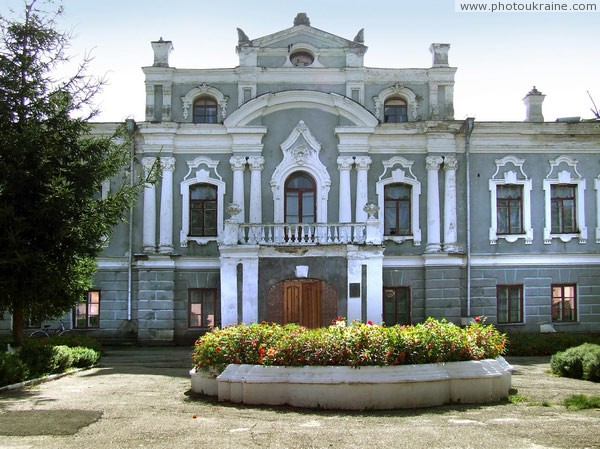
395, 110
397, 214
205, 110
203, 210
300, 195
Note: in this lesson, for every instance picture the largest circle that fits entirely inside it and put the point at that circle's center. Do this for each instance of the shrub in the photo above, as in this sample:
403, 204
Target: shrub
12, 369
580, 362
73, 340
84, 357
44, 356
357, 344
530, 344
37, 355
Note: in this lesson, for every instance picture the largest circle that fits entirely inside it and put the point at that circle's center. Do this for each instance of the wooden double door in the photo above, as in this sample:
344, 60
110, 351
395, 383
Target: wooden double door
302, 302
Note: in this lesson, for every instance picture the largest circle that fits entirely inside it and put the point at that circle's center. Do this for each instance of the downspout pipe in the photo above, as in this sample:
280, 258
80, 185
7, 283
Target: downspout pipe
130, 125
469, 124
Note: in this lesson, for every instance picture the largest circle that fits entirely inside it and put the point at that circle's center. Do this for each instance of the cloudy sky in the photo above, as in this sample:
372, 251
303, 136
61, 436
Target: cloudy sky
499, 56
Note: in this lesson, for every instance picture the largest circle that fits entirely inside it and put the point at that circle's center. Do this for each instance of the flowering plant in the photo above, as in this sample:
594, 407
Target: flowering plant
356, 344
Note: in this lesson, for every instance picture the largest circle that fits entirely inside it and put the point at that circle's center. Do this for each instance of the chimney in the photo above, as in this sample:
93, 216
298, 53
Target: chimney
533, 106
440, 54
161, 52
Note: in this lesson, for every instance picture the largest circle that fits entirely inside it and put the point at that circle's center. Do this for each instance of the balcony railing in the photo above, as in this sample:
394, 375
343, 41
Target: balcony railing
301, 233
288, 234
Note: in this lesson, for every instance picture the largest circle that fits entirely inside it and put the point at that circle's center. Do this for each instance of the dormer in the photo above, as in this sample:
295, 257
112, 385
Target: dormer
301, 46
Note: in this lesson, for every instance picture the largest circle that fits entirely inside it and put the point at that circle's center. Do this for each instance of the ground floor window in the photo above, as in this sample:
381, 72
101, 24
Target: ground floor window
396, 305
510, 303
203, 307
87, 313
564, 302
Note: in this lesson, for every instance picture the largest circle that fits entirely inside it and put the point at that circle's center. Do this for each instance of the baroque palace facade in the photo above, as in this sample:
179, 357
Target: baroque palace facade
301, 186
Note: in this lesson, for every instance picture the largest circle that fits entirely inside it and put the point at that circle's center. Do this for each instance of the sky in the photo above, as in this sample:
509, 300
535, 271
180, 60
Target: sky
500, 56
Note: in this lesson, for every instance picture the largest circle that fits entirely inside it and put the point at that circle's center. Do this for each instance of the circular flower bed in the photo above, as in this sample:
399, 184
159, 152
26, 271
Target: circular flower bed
356, 344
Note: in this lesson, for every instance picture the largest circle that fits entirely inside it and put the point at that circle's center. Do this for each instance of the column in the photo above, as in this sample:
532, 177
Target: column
345, 204
450, 229
256, 164
149, 224
238, 165
166, 206
433, 164
362, 164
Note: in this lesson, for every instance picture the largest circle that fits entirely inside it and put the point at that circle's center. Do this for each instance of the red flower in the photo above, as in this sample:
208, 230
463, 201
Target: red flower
261, 352
477, 319
369, 323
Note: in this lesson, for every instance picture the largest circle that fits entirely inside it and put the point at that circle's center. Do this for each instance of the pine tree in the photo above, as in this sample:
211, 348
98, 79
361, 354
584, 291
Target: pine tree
53, 222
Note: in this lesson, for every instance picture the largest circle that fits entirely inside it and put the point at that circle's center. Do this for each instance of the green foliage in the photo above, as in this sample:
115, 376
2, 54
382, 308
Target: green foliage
581, 402
44, 356
12, 369
529, 344
580, 362
53, 223
74, 339
355, 345
84, 357
517, 398
37, 356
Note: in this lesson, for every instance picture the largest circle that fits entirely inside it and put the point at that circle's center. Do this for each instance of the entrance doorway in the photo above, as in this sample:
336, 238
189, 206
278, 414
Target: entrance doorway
302, 302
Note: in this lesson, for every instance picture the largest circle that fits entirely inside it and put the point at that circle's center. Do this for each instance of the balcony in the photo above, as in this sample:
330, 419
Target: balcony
301, 234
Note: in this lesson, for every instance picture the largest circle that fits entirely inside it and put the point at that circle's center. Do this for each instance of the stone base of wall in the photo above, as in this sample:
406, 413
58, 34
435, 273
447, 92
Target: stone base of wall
369, 387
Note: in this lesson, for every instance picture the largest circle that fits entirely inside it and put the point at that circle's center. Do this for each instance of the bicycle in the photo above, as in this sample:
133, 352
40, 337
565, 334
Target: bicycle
46, 332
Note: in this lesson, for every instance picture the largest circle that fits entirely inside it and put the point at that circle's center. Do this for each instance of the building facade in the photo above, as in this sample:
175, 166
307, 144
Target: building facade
301, 185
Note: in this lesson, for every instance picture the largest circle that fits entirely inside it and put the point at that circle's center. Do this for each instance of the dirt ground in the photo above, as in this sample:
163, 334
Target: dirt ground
139, 398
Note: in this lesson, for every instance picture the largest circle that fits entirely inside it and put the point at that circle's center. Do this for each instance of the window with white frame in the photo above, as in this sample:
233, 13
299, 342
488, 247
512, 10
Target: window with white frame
202, 191
564, 208
396, 104
208, 105
510, 202
398, 192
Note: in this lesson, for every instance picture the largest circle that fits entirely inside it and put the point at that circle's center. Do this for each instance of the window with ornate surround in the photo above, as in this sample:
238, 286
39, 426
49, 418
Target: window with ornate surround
564, 205
398, 171
208, 105
510, 190
301, 154
208, 177
396, 94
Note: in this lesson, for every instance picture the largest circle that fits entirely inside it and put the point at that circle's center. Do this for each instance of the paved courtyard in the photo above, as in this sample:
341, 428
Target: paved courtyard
140, 397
